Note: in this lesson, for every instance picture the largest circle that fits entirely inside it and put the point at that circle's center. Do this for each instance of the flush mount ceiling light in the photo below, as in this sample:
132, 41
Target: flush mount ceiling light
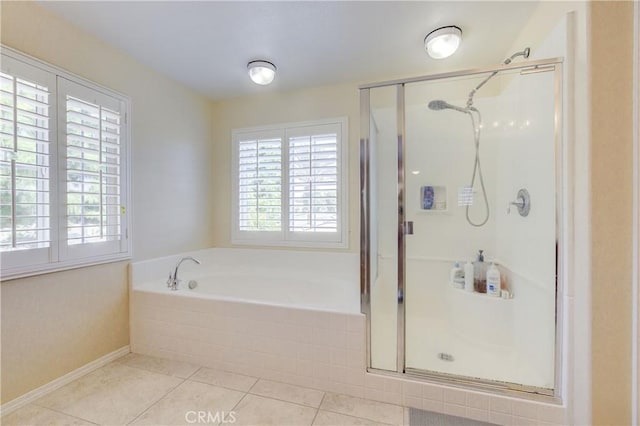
261, 72
443, 42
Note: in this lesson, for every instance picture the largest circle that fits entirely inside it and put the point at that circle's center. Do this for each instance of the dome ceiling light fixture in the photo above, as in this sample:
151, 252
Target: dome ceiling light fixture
261, 72
443, 42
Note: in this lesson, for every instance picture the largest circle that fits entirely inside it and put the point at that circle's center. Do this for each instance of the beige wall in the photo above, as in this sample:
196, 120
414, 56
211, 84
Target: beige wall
55, 323
273, 108
611, 85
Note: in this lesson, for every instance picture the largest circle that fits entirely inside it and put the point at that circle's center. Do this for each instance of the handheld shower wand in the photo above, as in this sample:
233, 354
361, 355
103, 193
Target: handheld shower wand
439, 105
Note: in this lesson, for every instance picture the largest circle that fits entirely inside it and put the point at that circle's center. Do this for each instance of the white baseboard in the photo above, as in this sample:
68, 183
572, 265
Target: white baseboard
31, 396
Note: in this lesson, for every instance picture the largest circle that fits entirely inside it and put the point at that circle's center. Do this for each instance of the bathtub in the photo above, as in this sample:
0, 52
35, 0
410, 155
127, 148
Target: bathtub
274, 314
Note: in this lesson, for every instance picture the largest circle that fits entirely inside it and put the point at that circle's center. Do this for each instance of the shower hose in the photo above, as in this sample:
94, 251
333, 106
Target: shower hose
477, 167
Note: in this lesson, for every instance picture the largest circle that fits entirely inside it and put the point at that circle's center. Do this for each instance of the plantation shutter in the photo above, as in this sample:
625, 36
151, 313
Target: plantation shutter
92, 169
289, 186
314, 181
259, 182
64, 178
26, 128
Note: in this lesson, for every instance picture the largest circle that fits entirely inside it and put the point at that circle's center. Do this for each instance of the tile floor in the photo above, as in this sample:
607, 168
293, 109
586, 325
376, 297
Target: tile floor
142, 390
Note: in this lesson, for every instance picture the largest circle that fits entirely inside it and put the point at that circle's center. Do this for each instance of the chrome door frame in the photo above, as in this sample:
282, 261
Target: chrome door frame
528, 392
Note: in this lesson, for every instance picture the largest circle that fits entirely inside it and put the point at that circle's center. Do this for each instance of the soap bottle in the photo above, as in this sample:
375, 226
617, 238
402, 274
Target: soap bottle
493, 281
468, 276
480, 274
456, 277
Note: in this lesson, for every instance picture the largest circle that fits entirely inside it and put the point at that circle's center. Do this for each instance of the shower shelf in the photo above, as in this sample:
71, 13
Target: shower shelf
484, 295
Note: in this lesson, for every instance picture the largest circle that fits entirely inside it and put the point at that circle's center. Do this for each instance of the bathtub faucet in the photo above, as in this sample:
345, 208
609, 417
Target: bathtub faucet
173, 280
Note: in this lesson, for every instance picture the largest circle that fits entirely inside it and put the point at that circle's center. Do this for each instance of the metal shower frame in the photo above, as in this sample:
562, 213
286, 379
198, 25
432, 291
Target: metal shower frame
522, 391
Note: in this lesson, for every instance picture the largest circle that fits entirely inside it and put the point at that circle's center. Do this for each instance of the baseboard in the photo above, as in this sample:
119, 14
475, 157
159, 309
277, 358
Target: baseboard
31, 396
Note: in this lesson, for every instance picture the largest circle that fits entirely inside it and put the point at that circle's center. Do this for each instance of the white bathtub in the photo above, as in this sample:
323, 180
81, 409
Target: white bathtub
280, 315
323, 281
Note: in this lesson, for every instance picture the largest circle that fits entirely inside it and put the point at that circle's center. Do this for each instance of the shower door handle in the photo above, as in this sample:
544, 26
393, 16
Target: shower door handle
408, 228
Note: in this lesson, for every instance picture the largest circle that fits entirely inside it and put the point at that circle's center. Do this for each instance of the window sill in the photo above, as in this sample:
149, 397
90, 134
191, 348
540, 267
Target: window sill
291, 244
24, 272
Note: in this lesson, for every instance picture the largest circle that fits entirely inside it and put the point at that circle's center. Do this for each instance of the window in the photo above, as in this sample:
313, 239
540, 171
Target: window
290, 185
63, 170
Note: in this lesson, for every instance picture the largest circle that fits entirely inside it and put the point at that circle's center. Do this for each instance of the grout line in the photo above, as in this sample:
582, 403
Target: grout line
318, 409
56, 411
365, 399
194, 373
192, 379
254, 384
283, 400
148, 370
216, 386
233, 409
157, 400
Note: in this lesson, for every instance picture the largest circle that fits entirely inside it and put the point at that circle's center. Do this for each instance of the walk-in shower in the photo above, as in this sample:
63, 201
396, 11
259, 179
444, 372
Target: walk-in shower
420, 214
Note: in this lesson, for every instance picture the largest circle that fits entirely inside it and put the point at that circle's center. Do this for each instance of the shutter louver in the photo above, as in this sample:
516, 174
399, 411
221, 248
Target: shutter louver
260, 184
92, 172
24, 164
313, 183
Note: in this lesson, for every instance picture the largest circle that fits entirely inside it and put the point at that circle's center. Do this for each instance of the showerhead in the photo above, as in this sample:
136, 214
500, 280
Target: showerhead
439, 105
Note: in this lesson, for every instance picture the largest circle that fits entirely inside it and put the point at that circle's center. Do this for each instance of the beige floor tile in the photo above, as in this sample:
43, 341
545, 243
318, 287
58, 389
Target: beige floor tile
364, 408
327, 418
183, 405
33, 415
255, 410
224, 379
114, 394
159, 365
286, 392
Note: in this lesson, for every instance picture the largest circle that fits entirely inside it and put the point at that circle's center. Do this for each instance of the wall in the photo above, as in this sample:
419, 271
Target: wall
611, 208
274, 108
74, 317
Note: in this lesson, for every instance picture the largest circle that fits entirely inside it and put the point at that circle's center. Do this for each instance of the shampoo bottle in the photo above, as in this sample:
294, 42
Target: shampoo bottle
456, 277
493, 281
468, 276
480, 274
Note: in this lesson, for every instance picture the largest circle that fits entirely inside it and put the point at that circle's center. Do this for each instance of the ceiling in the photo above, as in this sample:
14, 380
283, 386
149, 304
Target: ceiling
206, 45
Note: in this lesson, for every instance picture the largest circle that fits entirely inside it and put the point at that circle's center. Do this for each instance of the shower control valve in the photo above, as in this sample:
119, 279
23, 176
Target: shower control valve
522, 202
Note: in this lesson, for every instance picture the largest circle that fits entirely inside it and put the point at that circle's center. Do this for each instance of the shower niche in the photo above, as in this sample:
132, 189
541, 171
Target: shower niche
433, 198
463, 144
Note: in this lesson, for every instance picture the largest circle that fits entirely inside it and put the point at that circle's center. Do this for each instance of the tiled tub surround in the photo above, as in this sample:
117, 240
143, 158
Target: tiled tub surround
280, 315
314, 348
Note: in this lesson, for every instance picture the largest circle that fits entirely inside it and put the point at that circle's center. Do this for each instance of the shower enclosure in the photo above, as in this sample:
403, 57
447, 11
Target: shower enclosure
446, 172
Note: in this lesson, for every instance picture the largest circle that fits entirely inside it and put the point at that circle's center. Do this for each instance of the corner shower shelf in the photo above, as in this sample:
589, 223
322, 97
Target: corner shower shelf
485, 295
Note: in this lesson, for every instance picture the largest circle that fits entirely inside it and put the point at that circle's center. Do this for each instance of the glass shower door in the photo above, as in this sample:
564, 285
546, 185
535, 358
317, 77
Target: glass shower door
463, 170
383, 227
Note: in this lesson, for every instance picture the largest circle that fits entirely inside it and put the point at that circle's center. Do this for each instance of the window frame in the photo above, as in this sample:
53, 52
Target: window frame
286, 237
17, 264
